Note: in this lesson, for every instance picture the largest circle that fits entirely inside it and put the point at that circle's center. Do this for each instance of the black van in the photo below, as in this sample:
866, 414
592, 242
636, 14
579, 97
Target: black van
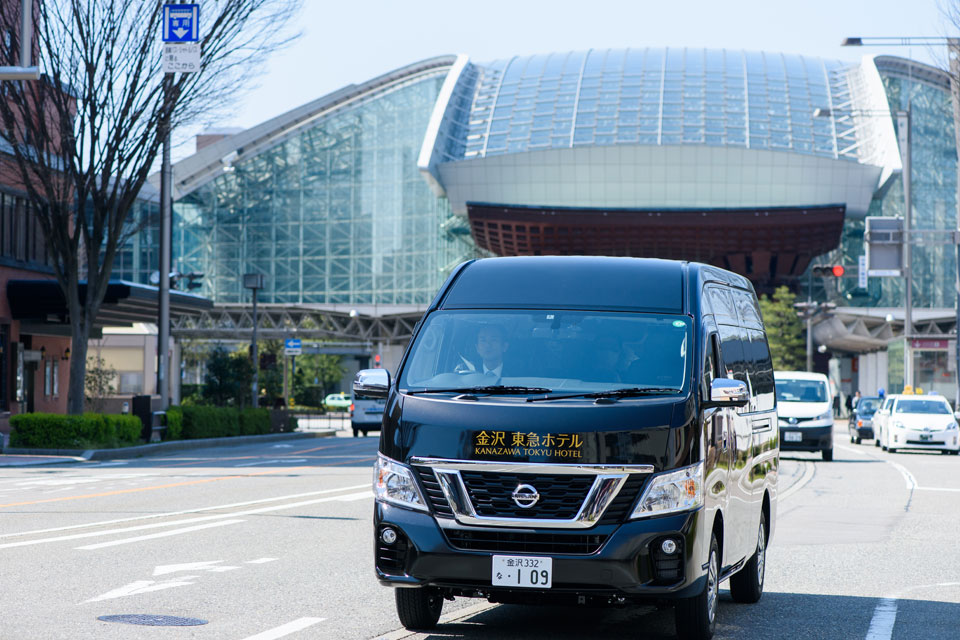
578, 430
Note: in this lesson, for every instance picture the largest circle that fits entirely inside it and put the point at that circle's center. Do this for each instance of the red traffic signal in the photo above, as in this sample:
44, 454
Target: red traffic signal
835, 270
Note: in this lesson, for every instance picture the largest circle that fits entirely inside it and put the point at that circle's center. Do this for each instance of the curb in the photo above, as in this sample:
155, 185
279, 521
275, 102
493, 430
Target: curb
165, 447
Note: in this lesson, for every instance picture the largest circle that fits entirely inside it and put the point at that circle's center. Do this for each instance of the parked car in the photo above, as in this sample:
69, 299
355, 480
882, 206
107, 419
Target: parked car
805, 412
881, 417
921, 422
337, 402
860, 424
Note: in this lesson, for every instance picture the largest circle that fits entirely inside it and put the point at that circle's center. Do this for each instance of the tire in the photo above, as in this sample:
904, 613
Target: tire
746, 585
876, 441
957, 452
365, 433
418, 609
891, 449
696, 617
859, 440
356, 433
827, 454
852, 440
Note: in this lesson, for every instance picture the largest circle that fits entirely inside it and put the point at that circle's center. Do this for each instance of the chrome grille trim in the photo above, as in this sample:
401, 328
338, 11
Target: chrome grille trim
608, 481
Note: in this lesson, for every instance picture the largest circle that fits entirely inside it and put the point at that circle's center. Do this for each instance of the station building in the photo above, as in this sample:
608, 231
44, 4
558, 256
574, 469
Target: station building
359, 203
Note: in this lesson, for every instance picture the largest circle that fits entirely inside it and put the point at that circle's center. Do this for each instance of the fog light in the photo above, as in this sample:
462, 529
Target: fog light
389, 536
669, 547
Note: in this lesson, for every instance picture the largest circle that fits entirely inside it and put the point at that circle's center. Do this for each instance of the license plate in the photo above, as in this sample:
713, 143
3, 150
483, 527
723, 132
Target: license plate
522, 571
792, 436
926, 436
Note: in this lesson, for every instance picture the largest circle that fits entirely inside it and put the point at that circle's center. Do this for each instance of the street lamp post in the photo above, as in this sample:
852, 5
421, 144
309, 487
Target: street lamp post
953, 45
254, 282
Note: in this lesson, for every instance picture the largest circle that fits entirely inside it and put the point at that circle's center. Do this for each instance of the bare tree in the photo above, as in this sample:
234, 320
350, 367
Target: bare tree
85, 136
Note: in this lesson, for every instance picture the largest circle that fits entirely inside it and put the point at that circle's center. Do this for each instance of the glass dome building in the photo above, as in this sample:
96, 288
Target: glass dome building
757, 162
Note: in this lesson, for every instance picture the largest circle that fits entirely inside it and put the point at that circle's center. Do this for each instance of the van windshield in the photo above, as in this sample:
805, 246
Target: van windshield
561, 351
801, 390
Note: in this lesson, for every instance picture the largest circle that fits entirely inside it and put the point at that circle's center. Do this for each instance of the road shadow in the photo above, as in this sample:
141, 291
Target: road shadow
778, 616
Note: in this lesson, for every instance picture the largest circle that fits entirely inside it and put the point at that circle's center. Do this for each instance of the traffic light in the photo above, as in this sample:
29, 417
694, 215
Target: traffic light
828, 270
193, 280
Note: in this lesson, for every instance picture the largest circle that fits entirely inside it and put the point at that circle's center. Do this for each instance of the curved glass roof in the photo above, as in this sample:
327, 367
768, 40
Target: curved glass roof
656, 96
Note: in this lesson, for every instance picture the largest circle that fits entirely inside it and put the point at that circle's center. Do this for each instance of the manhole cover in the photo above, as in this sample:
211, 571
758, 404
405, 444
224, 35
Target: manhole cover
153, 621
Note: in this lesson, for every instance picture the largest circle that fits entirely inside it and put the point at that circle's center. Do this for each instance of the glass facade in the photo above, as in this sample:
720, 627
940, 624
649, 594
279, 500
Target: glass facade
656, 96
139, 256
335, 213
934, 184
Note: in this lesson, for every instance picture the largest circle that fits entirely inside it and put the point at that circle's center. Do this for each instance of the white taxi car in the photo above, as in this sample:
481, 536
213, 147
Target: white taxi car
920, 422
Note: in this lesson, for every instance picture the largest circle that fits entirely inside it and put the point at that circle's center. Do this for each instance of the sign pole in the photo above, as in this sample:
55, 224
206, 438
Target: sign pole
163, 320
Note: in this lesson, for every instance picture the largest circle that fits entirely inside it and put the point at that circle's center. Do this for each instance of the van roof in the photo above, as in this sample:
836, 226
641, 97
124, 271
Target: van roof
798, 375
569, 282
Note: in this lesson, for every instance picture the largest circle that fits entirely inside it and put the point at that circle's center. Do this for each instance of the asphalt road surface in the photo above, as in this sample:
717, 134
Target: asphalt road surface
270, 541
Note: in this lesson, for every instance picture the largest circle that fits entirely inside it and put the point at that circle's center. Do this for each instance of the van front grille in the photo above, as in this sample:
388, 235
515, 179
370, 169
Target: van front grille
441, 508
560, 495
525, 542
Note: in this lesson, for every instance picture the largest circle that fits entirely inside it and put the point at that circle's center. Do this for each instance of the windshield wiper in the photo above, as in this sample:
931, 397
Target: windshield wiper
494, 389
613, 393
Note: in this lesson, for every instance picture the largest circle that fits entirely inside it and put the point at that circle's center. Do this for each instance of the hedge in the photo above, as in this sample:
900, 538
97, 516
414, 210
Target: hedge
91, 430
219, 422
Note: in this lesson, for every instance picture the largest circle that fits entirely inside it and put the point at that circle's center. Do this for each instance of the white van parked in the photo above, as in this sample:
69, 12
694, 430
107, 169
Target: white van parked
805, 411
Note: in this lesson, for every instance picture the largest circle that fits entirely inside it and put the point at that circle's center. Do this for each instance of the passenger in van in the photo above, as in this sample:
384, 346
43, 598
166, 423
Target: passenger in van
491, 345
604, 360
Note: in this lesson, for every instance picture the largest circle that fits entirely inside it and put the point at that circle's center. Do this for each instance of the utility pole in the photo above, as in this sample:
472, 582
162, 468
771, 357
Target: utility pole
904, 135
166, 215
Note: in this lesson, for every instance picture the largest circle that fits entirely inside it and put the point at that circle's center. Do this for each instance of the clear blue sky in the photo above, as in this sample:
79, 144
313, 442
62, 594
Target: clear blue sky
353, 41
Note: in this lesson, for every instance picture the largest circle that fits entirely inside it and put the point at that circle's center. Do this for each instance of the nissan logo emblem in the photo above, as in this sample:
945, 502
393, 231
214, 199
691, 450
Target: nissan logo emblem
525, 496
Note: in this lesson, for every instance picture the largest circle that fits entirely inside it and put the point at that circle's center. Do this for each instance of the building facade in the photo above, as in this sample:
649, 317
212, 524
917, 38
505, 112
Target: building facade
759, 162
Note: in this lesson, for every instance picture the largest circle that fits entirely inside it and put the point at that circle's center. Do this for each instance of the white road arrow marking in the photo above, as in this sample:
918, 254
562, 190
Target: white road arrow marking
189, 566
144, 586
180, 32
282, 446
260, 560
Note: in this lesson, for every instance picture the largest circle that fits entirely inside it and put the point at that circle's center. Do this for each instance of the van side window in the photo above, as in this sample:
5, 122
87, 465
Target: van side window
761, 370
710, 358
722, 305
731, 349
747, 309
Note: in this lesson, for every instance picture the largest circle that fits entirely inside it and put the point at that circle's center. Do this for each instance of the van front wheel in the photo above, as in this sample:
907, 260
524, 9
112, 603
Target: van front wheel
696, 617
747, 584
418, 609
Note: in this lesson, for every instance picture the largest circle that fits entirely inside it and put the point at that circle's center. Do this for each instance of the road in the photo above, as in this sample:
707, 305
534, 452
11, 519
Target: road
270, 541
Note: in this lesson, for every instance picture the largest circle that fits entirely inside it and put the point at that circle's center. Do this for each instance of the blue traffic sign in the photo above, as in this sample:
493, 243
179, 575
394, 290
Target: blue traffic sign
181, 22
292, 343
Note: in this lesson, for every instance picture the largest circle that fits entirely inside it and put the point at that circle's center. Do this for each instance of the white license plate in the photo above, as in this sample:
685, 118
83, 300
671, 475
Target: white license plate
792, 436
522, 571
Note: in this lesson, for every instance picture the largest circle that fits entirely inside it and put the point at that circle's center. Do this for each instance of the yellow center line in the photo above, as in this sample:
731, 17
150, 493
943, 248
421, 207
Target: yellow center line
153, 488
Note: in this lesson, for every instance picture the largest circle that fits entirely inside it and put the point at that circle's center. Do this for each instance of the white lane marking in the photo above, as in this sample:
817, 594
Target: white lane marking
184, 512
156, 525
222, 569
355, 496
261, 560
937, 489
805, 477
884, 617
162, 534
282, 446
286, 629
907, 476
278, 461
115, 463
143, 586
164, 569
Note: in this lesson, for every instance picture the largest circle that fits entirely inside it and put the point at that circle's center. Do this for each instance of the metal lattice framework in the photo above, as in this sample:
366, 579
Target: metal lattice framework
277, 321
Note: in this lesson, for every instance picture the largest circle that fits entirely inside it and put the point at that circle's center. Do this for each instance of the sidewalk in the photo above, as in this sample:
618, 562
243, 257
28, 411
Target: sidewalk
13, 457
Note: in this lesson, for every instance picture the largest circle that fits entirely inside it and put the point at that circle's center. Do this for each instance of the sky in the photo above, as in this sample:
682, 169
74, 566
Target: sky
344, 42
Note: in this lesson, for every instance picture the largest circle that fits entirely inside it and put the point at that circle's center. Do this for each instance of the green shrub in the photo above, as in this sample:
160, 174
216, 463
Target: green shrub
127, 428
210, 422
174, 424
89, 431
254, 421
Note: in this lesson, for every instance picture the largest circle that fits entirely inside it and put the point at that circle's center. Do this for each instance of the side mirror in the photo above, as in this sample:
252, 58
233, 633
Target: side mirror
726, 392
371, 383
956, 414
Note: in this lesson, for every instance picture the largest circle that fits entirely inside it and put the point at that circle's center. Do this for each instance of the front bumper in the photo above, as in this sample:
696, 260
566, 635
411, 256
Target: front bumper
817, 438
864, 431
945, 440
621, 568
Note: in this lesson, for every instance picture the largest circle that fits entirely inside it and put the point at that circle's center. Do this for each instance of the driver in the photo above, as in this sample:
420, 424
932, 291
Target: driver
491, 345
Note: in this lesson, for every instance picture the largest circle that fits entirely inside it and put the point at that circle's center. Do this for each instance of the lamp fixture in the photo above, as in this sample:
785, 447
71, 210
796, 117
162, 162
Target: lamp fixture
66, 354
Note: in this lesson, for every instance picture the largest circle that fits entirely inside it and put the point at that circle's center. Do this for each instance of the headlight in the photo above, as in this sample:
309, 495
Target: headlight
897, 425
826, 416
394, 483
679, 490
952, 425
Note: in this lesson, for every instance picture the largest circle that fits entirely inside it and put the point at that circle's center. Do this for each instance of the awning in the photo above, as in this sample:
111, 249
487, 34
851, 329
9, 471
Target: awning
42, 305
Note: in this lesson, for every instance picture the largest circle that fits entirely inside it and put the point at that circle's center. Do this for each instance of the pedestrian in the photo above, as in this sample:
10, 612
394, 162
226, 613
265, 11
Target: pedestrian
848, 403
856, 399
